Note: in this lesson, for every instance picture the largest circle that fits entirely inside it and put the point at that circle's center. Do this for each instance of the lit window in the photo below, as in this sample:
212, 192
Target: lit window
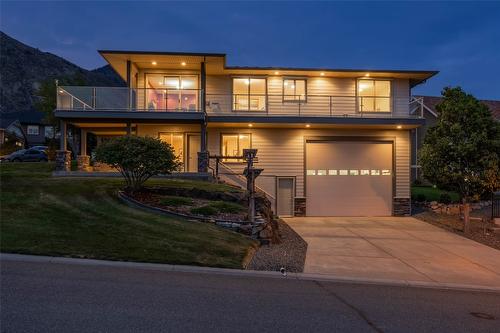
353, 172
176, 141
311, 172
233, 145
375, 172
374, 95
364, 172
343, 172
249, 94
332, 172
386, 172
33, 130
171, 92
294, 90
321, 172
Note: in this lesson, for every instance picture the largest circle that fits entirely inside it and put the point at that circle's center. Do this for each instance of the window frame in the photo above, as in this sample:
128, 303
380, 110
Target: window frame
45, 131
248, 94
184, 144
283, 89
391, 96
32, 127
235, 161
165, 74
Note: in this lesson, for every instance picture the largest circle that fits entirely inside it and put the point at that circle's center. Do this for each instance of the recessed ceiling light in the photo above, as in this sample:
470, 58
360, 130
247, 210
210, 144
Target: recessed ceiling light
183, 63
276, 73
250, 125
307, 125
322, 74
399, 127
153, 63
367, 74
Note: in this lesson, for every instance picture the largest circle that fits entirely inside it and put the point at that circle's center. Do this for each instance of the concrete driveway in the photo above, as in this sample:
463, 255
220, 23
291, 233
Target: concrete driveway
394, 248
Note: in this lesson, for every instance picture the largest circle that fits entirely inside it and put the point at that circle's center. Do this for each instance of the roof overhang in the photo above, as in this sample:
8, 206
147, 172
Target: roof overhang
216, 65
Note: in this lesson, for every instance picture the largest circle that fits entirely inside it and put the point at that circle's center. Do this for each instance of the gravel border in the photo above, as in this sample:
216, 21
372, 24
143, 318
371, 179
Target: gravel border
290, 253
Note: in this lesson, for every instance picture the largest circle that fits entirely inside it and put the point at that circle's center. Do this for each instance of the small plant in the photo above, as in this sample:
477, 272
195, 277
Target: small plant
176, 201
421, 197
204, 210
227, 207
445, 198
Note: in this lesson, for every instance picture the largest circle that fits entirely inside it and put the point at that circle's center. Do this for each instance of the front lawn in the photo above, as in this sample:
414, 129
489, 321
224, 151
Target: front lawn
82, 217
431, 193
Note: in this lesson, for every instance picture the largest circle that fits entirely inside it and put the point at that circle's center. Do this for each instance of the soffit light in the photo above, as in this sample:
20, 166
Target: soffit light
399, 127
307, 125
322, 73
250, 125
276, 73
154, 63
183, 63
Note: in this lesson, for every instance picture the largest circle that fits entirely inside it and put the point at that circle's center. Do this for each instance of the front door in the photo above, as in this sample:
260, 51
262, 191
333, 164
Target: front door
193, 149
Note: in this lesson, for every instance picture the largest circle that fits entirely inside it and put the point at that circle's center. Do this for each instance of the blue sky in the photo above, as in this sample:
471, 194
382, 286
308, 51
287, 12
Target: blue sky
460, 39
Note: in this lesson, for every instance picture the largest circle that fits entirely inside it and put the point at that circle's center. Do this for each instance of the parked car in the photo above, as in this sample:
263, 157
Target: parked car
27, 155
42, 148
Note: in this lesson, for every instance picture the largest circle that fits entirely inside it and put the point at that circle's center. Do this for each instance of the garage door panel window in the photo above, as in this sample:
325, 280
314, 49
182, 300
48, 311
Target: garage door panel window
374, 95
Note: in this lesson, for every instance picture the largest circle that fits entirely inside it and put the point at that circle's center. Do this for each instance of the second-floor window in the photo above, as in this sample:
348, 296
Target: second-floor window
374, 95
171, 92
249, 94
294, 90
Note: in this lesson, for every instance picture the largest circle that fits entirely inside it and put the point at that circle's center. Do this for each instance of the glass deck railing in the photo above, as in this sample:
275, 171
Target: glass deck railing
189, 100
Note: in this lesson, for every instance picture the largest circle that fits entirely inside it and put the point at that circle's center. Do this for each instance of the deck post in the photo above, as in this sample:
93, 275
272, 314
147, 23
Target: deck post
203, 156
129, 69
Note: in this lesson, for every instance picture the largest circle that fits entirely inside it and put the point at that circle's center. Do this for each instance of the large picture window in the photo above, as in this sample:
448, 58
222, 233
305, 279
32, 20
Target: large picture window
249, 94
294, 90
233, 145
374, 95
171, 92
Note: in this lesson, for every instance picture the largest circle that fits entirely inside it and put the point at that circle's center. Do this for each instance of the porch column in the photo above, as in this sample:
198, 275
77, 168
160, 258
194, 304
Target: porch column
83, 160
203, 155
63, 156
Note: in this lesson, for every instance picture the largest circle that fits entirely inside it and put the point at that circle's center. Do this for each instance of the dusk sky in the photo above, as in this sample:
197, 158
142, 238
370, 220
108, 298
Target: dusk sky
460, 39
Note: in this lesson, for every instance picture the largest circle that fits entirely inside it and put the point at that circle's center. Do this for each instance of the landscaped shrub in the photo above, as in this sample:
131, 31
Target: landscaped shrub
417, 182
204, 210
445, 198
176, 201
138, 158
227, 207
420, 197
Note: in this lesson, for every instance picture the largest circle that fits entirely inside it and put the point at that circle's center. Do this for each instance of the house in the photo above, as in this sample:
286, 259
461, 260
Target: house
332, 142
429, 112
32, 129
11, 131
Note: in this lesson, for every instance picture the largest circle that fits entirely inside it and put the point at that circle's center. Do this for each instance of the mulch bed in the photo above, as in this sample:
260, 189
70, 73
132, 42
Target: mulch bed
154, 199
290, 253
480, 231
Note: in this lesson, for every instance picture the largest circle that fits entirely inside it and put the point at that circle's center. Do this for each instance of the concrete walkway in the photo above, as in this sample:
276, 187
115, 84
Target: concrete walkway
394, 248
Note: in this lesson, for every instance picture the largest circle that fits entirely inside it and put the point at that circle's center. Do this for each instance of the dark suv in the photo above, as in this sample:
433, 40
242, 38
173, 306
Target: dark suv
27, 155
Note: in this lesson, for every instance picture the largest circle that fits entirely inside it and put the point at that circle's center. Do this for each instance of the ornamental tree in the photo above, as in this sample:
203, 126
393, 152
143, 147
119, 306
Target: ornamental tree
462, 151
138, 158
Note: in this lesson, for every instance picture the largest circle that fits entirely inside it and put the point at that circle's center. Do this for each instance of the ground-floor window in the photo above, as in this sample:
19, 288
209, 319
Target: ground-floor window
233, 145
176, 140
33, 130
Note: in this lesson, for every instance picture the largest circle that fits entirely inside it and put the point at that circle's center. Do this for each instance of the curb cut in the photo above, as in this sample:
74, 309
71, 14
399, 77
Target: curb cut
245, 273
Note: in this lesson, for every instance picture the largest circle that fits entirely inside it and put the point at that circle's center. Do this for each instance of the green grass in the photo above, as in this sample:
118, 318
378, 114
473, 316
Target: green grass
176, 201
204, 210
227, 207
82, 217
431, 193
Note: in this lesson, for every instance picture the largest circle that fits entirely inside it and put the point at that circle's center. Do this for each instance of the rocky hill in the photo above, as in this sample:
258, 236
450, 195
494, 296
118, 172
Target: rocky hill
23, 68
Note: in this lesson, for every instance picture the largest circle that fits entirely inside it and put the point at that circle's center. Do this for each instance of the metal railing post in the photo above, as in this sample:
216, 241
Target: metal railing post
93, 97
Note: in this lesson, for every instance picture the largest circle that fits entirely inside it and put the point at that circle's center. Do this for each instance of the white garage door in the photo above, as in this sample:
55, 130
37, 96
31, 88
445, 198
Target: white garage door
349, 178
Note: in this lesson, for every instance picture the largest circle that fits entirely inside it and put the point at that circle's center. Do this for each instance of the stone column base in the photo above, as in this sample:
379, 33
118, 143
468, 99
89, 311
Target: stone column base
83, 163
203, 160
63, 160
401, 206
300, 207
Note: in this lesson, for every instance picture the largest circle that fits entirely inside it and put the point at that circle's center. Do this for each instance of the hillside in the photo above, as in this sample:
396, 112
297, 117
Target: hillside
24, 67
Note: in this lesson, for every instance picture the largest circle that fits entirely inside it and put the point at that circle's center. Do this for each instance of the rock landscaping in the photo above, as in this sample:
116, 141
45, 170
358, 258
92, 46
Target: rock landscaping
289, 254
451, 208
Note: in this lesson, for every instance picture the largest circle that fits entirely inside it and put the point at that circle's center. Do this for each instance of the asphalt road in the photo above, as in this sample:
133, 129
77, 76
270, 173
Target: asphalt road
43, 297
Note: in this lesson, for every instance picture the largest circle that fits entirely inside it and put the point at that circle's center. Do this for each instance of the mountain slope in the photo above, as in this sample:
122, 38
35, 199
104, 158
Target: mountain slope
23, 68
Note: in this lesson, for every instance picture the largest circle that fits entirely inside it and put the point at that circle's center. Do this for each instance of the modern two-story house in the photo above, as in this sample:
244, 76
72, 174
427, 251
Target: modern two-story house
332, 142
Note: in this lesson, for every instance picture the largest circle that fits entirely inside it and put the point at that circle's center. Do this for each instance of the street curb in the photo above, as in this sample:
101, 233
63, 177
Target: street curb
246, 273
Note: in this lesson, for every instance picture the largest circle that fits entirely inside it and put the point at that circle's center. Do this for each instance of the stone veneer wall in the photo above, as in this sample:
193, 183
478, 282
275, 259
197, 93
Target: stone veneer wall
300, 207
401, 207
63, 160
83, 163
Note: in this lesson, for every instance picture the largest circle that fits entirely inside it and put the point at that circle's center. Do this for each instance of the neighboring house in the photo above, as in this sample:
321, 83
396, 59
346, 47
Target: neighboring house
34, 129
332, 142
430, 114
11, 131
